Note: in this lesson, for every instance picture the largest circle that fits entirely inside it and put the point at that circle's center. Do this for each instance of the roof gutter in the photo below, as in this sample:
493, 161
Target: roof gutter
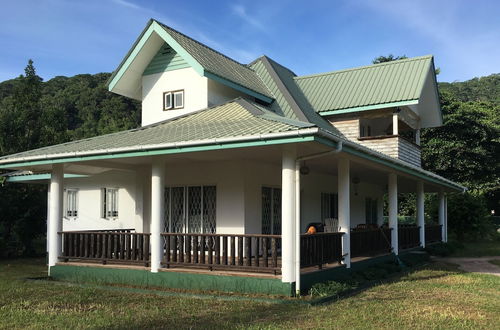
176, 145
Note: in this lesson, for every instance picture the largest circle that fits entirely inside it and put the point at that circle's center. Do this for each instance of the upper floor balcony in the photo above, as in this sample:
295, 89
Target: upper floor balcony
392, 132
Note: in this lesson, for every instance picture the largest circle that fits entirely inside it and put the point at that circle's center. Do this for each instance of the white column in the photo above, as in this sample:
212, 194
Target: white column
395, 128
55, 213
380, 210
420, 211
417, 136
345, 209
288, 215
48, 219
393, 211
157, 211
442, 215
446, 218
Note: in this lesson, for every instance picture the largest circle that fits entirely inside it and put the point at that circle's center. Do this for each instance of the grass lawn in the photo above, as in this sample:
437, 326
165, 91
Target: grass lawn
436, 296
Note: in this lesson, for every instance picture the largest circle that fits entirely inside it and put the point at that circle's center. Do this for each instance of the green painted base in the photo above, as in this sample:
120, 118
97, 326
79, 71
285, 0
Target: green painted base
175, 280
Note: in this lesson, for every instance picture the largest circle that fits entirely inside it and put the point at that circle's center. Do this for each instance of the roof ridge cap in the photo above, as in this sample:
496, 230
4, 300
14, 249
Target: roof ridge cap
363, 67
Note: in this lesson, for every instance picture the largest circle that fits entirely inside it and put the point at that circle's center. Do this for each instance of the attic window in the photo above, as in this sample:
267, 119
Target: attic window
173, 100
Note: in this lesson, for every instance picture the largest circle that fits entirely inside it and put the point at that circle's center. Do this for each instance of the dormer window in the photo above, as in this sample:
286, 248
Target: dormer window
173, 100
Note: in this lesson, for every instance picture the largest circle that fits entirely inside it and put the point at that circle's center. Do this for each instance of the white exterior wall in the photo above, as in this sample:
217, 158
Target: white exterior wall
89, 202
153, 86
239, 195
219, 94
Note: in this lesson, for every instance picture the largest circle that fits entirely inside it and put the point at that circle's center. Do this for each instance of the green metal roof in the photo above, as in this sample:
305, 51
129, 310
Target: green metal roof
289, 99
236, 119
377, 84
219, 64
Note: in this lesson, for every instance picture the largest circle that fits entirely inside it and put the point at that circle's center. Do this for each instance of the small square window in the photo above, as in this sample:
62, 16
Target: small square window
173, 100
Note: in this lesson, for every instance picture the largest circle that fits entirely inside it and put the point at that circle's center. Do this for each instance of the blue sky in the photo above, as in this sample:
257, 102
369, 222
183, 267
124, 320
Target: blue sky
89, 36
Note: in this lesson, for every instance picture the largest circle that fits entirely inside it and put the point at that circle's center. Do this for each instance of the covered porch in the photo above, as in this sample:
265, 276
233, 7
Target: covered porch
264, 199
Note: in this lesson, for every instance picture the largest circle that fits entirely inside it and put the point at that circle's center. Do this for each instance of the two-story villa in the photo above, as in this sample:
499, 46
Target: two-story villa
232, 164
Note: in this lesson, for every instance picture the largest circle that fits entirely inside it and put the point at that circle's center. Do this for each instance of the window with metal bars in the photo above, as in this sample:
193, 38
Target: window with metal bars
271, 211
329, 206
71, 203
190, 209
109, 198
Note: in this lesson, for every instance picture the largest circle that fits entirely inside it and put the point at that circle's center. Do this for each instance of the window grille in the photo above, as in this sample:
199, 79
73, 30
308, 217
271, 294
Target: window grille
329, 206
271, 211
71, 203
190, 209
109, 198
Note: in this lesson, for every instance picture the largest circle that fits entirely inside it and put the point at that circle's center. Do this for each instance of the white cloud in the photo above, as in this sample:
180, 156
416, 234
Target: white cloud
127, 4
241, 12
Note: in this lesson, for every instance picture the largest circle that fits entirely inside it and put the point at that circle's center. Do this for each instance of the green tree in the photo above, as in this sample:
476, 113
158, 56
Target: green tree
388, 58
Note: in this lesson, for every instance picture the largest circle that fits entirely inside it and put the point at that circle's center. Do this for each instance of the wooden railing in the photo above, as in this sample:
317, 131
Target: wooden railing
319, 249
408, 236
106, 246
433, 233
223, 251
369, 242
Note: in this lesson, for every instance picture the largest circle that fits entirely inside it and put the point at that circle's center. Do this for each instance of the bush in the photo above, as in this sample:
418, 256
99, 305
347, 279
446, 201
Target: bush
441, 249
330, 288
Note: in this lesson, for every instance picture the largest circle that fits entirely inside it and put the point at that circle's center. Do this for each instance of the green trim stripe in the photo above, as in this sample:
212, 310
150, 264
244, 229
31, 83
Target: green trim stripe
369, 107
37, 177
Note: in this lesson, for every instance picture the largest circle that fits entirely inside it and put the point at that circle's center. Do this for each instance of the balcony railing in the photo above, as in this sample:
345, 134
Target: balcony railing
433, 233
320, 249
258, 253
408, 236
104, 246
370, 242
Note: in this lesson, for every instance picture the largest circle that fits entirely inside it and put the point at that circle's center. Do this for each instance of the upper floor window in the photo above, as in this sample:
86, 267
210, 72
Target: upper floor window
71, 207
109, 197
173, 100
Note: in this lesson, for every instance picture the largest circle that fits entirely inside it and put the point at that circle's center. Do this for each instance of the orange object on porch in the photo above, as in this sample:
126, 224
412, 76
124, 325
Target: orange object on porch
311, 230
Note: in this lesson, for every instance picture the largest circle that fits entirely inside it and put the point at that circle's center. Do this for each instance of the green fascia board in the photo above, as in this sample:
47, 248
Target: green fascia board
238, 87
38, 177
388, 163
167, 151
153, 27
369, 107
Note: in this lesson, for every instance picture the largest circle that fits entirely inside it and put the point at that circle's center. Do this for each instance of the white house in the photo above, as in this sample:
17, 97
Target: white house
232, 163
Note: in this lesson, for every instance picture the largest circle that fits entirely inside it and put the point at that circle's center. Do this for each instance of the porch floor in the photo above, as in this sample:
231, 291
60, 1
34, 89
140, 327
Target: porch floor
192, 270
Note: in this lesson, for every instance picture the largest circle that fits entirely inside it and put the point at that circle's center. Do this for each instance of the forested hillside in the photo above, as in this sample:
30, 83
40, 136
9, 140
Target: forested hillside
34, 113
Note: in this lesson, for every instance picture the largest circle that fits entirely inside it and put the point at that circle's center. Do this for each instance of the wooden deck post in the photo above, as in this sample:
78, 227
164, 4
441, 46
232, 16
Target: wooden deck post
393, 211
55, 213
420, 211
345, 208
157, 212
288, 215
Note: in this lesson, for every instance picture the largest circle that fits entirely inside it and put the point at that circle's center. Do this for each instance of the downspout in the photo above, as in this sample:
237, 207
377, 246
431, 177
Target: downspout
297, 208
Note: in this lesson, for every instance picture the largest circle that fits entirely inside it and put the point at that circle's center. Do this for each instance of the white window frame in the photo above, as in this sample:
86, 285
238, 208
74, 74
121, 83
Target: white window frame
71, 203
109, 203
172, 104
